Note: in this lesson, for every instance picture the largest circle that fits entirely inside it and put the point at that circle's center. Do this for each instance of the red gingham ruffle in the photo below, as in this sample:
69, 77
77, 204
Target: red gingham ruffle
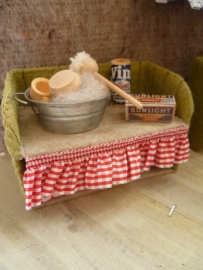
101, 166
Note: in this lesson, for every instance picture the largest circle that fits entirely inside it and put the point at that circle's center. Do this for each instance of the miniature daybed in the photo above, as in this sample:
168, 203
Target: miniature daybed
112, 154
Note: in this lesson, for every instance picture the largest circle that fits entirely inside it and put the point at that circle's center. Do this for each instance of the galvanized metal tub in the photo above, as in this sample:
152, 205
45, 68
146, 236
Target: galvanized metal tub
67, 118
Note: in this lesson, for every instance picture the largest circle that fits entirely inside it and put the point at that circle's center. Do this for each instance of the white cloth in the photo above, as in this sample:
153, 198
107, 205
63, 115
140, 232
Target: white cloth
161, 1
196, 4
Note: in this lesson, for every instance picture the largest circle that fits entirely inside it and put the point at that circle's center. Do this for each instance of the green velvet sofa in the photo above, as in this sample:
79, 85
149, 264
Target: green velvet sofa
146, 78
195, 82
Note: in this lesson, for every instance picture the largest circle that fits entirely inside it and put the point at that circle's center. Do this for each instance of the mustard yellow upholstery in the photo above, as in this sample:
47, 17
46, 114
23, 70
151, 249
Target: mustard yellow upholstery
195, 82
145, 78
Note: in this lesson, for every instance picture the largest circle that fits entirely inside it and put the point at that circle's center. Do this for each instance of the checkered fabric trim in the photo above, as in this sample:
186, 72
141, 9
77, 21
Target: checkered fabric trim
101, 166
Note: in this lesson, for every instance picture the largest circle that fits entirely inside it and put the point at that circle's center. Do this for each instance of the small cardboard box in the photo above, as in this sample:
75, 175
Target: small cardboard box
156, 108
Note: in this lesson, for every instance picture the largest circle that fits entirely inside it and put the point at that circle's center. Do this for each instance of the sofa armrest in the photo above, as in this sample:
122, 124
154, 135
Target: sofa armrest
195, 82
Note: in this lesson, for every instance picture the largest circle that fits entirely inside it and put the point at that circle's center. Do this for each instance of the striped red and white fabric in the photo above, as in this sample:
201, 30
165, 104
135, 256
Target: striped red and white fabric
101, 166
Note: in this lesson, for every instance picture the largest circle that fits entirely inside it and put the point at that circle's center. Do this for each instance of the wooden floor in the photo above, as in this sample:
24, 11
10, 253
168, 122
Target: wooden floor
126, 227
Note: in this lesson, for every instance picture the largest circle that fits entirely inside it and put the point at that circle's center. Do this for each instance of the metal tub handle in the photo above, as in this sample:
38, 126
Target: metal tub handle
20, 100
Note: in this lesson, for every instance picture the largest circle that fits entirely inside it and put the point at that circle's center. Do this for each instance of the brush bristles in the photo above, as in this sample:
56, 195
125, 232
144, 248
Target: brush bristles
78, 60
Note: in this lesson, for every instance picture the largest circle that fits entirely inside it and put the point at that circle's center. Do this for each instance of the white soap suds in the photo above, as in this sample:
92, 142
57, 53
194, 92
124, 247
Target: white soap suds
90, 89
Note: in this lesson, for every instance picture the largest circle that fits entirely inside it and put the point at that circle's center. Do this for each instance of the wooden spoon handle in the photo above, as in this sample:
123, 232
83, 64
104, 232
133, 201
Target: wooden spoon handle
122, 93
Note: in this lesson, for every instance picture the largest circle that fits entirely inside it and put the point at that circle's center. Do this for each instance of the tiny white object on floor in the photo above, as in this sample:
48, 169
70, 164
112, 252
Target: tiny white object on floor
172, 210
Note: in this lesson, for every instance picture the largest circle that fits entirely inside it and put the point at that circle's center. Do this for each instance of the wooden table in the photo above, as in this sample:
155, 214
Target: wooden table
115, 153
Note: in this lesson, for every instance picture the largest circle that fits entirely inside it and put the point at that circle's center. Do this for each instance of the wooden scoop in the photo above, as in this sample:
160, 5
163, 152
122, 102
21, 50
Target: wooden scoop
64, 81
90, 65
39, 90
